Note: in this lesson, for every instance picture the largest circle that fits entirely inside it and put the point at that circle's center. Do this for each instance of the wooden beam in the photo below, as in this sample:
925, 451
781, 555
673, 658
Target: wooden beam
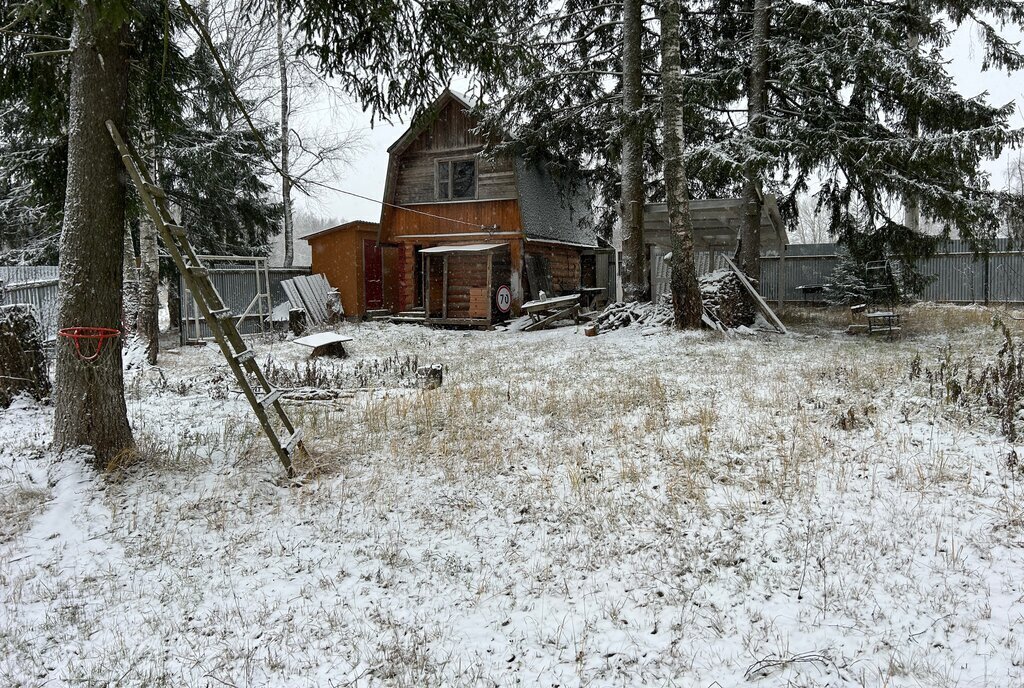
426, 286
444, 289
490, 299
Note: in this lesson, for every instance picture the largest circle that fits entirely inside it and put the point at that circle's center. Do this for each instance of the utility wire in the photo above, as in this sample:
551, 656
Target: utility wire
299, 184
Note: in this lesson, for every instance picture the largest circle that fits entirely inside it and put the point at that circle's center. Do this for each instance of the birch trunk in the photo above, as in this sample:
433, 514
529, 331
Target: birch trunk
130, 284
286, 182
89, 405
750, 245
149, 282
631, 206
686, 300
911, 203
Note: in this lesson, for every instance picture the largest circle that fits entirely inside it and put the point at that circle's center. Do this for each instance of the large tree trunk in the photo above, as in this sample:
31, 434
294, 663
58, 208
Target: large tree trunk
686, 301
750, 244
634, 255
89, 405
286, 182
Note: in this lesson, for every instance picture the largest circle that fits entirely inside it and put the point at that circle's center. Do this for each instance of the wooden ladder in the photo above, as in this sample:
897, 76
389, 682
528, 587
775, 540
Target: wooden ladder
219, 317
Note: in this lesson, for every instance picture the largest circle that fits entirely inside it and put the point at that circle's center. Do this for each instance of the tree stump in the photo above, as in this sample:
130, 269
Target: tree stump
430, 377
22, 364
335, 311
297, 321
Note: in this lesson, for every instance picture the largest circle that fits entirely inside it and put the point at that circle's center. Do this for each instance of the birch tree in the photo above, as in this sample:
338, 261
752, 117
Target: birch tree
686, 298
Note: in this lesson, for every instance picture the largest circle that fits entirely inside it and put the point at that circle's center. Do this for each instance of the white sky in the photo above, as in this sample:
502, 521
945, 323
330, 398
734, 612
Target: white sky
366, 175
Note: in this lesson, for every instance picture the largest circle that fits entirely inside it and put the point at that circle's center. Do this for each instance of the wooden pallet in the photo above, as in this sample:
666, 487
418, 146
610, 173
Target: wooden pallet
283, 436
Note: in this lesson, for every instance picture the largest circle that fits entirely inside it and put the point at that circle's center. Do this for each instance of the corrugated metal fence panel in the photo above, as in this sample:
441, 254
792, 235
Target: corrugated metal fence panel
1006, 277
19, 274
42, 295
810, 269
278, 275
239, 288
958, 275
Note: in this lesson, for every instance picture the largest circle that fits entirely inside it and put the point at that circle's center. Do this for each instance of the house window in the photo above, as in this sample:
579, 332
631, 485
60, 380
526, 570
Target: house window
456, 179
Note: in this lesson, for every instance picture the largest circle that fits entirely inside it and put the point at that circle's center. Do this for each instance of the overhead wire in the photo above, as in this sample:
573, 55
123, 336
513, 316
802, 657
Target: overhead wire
297, 183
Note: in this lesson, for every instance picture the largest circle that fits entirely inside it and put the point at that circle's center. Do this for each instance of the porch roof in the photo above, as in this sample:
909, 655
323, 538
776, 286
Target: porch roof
463, 248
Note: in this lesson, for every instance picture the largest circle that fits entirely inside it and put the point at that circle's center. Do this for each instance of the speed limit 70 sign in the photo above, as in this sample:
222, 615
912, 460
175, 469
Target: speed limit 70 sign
503, 298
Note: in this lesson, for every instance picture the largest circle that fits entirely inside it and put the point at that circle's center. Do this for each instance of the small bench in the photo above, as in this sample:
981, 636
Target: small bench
325, 344
884, 322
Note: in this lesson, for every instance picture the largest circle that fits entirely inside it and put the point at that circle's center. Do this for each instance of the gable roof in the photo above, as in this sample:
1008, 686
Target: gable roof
426, 118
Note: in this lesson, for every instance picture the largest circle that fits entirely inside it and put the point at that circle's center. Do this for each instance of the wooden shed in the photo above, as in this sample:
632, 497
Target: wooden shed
350, 257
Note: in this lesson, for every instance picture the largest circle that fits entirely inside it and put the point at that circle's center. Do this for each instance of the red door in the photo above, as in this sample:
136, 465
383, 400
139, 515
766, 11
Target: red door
373, 274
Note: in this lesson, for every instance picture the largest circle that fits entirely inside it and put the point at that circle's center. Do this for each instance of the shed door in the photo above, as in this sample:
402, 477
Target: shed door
373, 272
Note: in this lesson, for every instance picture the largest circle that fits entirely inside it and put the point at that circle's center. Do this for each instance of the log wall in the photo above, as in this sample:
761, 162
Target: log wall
564, 262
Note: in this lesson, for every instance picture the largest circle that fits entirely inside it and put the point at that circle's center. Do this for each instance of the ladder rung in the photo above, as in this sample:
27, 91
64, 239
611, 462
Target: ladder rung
243, 356
176, 231
154, 190
270, 398
222, 313
197, 271
295, 438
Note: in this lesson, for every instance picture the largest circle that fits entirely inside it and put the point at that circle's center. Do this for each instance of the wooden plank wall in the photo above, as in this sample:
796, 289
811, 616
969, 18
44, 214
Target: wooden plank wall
400, 221
339, 257
564, 262
415, 176
450, 136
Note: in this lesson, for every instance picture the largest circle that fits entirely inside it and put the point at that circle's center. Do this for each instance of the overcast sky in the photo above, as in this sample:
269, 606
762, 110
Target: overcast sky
366, 175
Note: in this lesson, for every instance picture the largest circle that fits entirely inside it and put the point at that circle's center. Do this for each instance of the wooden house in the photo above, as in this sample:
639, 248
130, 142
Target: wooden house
466, 238
350, 258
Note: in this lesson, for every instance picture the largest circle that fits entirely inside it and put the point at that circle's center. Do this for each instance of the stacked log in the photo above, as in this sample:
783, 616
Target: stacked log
620, 314
22, 364
725, 297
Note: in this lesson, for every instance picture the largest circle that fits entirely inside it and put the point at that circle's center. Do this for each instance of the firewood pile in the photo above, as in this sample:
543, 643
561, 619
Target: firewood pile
620, 314
726, 299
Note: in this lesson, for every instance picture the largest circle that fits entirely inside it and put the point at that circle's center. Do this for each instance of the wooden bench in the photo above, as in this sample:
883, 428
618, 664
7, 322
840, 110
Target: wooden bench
546, 312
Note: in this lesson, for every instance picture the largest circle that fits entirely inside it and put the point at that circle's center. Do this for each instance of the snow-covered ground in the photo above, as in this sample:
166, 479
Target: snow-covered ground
673, 509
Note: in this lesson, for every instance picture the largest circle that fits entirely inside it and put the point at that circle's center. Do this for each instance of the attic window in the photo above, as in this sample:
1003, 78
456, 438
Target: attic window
456, 179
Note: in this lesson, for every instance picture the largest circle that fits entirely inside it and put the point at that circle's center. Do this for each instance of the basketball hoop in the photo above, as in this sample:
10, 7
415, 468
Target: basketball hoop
90, 339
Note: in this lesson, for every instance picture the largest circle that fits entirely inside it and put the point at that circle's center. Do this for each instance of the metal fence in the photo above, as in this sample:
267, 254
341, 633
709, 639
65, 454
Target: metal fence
36, 286
955, 273
20, 274
248, 287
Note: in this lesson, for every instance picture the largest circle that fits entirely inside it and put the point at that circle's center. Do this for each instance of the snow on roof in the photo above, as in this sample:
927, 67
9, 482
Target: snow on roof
548, 214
